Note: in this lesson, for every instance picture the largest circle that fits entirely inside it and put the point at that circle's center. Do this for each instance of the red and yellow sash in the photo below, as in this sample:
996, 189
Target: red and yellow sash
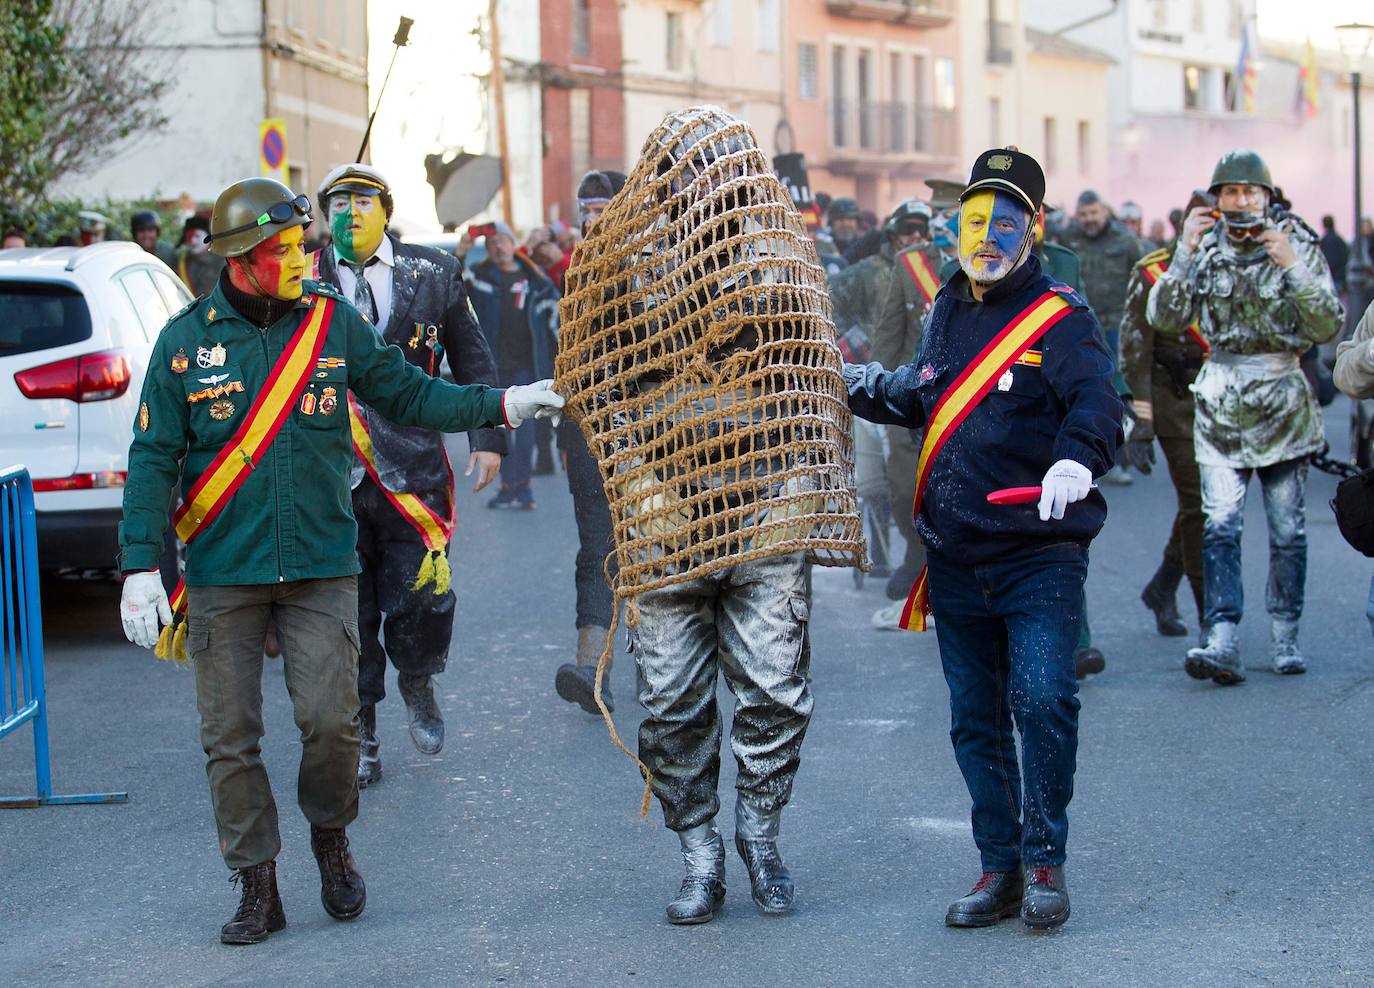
927, 281
246, 449
1152, 271
968, 389
435, 529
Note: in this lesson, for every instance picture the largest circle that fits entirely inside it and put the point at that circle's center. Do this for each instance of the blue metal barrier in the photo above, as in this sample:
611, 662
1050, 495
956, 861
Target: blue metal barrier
22, 694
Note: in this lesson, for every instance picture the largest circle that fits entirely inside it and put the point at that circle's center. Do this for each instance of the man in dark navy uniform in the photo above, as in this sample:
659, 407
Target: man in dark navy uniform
1013, 388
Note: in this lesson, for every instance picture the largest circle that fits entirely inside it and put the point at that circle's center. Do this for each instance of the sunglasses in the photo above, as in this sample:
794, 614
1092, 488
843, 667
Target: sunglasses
1248, 230
280, 212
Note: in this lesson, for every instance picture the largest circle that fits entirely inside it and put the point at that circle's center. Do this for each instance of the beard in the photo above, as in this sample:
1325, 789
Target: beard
989, 272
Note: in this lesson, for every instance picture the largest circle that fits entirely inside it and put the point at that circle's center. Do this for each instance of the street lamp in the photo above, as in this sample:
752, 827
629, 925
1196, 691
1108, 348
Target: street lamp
1354, 40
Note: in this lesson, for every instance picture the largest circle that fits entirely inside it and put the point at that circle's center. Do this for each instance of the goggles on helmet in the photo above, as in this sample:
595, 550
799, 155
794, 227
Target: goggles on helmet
279, 212
1241, 227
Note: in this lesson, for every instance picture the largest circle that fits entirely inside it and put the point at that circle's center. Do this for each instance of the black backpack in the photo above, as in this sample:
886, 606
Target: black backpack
1354, 507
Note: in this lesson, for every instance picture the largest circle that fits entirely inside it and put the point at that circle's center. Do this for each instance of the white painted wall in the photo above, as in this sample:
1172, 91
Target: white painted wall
213, 108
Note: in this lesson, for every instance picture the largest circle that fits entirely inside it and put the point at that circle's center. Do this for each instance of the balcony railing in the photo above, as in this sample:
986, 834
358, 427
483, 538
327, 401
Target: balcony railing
917, 13
872, 127
999, 42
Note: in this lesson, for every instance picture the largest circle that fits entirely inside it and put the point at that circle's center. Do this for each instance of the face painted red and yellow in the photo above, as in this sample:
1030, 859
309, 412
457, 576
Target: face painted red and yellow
358, 224
274, 268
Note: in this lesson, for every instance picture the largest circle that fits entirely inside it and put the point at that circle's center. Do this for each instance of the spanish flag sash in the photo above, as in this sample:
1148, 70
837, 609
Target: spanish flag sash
962, 396
1152, 271
245, 450
927, 281
435, 529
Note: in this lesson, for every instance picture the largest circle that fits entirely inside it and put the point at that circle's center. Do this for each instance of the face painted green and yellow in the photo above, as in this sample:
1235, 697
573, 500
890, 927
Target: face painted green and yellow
274, 268
992, 235
358, 223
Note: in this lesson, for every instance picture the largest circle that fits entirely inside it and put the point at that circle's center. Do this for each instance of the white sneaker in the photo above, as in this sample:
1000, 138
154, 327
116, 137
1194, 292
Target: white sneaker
889, 618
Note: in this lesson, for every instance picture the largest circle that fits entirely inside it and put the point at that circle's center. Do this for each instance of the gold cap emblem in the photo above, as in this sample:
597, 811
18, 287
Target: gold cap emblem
999, 162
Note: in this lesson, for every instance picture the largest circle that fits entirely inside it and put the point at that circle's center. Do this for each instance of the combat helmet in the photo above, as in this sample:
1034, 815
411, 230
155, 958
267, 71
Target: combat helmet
912, 209
1241, 167
253, 211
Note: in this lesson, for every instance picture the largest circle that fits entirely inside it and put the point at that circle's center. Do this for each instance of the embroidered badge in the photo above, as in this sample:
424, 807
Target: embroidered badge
180, 362
143, 417
927, 375
218, 355
1005, 381
329, 400
308, 403
222, 410
1000, 162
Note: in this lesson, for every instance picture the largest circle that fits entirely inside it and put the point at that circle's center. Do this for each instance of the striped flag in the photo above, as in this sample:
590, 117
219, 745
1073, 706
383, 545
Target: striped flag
1245, 75
1307, 83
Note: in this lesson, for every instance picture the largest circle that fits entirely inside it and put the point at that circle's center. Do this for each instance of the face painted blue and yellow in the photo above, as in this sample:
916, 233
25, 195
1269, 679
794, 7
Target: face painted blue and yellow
992, 233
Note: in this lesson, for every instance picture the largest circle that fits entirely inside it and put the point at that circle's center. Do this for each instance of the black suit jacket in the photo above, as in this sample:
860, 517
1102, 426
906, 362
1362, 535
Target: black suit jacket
430, 321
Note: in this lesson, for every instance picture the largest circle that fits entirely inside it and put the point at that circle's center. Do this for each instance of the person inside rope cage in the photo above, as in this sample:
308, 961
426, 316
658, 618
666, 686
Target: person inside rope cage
698, 356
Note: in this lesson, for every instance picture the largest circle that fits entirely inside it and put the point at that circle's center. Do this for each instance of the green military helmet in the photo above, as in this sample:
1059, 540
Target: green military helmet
252, 211
1241, 167
843, 208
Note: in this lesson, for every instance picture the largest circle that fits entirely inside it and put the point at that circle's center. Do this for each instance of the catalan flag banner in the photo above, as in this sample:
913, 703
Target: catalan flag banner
1307, 83
1009, 346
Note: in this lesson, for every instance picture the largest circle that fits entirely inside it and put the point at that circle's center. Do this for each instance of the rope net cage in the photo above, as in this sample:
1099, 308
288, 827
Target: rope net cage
698, 356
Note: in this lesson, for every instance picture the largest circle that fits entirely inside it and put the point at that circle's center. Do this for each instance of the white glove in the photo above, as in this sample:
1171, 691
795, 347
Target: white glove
1067, 481
142, 604
531, 401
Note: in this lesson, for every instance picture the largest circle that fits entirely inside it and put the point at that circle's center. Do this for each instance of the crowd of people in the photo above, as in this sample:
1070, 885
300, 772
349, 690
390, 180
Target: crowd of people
987, 344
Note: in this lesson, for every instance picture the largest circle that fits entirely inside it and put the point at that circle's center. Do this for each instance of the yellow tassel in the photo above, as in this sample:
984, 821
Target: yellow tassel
443, 574
179, 644
163, 648
426, 574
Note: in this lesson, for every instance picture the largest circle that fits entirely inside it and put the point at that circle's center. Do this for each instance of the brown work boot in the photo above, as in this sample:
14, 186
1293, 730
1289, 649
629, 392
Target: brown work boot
260, 913
341, 887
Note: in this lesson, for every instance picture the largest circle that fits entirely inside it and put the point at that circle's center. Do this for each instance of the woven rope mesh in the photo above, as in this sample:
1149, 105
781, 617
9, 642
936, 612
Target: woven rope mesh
697, 354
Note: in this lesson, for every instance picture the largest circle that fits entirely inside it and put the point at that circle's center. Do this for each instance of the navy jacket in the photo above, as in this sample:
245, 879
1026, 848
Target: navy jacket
1064, 409
541, 311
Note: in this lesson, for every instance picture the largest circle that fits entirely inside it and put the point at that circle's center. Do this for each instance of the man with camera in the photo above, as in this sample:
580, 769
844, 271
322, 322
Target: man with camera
1253, 278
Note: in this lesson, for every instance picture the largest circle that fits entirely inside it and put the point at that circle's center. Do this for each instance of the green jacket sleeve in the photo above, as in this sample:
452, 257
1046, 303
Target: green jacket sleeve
1173, 304
381, 376
1310, 290
1355, 361
155, 457
1137, 347
893, 342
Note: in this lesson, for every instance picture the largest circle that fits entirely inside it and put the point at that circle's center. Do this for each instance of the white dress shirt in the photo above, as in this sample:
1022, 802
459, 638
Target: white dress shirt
378, 279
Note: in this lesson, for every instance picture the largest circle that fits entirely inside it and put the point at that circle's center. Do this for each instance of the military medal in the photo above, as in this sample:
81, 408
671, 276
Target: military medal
414, 341
143, 417
218, 355
329, 400
179, 362
308, 403
203, 358
1004, 382
222, 410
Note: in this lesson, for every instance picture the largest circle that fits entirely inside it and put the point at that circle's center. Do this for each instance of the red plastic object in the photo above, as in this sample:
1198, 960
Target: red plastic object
1015, 495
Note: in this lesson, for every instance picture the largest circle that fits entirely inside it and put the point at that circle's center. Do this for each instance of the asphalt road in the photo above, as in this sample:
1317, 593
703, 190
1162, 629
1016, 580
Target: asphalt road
1218, 836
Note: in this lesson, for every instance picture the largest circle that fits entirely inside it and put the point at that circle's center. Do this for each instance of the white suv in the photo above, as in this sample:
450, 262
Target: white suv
77, 326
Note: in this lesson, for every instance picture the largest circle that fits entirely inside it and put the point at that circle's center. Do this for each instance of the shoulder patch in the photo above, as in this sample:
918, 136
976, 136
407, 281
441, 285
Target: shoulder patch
1068, 295
322, 288
1156, 255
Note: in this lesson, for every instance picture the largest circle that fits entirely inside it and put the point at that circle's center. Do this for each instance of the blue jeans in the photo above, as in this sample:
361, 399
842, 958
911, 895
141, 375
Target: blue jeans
1007, 632
1369, 606
1223, 507
518, 464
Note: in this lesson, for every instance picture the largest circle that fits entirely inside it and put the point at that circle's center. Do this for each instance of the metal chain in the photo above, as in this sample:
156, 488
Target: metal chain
1323, 462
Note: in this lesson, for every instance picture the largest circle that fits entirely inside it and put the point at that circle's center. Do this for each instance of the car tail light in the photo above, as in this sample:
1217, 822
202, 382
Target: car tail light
81, 481
90, 377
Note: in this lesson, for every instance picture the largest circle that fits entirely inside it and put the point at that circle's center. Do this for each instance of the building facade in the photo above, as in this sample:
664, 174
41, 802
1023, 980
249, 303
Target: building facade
1065, 125
873, 96
233, 65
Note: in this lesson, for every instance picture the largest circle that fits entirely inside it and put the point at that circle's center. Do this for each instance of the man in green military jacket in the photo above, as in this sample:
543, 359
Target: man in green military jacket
1159, 370
282, 545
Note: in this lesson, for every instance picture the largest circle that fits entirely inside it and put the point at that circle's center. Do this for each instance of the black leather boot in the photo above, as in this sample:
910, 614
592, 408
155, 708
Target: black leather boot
996, 896
260, 913
1045, 901
1160, 596
369, 749
1088, 661
756, 840
703, 887
341, 887
426, 723
576, 682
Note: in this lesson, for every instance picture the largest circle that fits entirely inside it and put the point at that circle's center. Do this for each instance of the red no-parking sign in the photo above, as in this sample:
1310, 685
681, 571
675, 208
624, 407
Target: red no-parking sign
272, 148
